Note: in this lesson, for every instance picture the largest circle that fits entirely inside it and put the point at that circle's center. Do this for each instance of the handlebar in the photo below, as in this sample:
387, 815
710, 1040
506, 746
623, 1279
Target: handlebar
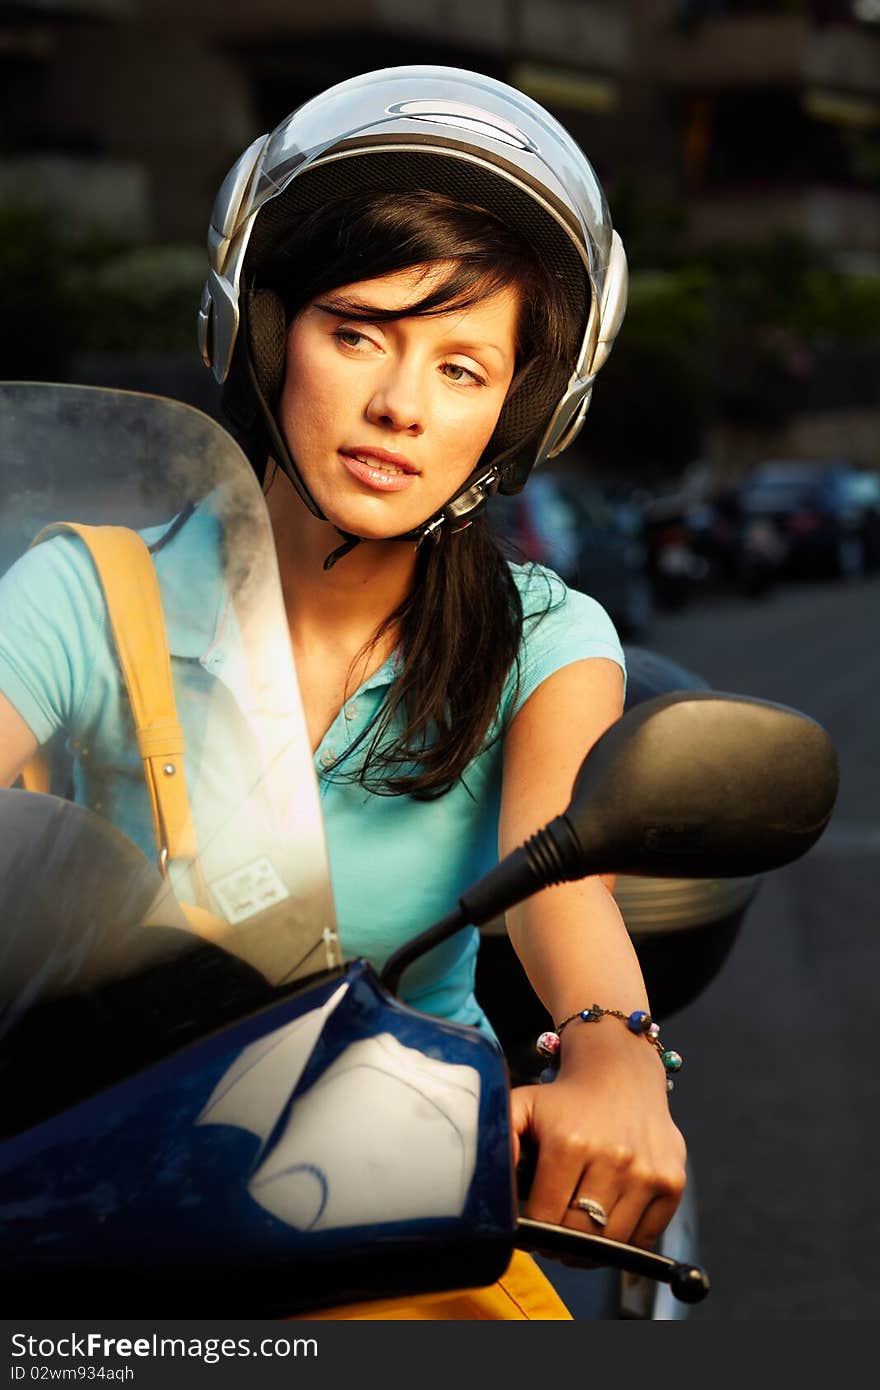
688, 1283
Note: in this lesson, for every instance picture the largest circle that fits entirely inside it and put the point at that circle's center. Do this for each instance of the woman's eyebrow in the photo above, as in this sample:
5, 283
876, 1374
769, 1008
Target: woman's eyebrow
342, 308
472, 347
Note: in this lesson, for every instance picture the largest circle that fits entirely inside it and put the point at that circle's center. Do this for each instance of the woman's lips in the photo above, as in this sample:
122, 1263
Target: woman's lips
377, 473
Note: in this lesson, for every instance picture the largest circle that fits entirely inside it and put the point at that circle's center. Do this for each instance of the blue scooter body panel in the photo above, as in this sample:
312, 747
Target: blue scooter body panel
215, 1177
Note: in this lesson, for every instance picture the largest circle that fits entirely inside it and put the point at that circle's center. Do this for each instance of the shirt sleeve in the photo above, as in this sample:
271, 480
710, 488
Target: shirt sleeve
52, 616
560, 625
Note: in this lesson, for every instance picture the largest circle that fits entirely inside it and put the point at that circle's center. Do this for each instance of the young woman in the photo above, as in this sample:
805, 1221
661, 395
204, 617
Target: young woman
414, 281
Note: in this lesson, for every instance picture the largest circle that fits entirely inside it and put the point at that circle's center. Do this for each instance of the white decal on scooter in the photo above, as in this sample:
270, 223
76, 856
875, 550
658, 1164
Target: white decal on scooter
386, 1134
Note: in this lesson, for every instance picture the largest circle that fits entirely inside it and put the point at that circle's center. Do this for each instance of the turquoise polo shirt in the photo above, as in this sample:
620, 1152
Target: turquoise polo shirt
397, 865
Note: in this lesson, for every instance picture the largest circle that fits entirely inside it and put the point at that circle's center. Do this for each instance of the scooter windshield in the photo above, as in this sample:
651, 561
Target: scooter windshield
209, 837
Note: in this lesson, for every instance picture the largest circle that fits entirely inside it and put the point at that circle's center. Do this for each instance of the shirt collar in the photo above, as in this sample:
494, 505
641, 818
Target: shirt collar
386, 673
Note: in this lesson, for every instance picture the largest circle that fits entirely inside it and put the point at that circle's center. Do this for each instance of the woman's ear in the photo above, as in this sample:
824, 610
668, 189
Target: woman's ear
266, 328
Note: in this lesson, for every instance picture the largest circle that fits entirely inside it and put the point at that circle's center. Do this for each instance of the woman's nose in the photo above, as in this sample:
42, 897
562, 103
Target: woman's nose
396, 402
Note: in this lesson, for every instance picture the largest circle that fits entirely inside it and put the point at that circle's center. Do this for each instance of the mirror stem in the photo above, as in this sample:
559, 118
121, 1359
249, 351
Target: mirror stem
411, 950
550, 856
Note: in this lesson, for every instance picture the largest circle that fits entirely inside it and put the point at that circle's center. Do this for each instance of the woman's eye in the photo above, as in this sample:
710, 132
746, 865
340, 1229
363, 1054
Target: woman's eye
349, 337
454, 371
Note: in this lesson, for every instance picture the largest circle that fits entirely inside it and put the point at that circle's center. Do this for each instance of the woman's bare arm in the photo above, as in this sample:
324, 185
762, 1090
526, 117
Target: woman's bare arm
17, 743
603, 1127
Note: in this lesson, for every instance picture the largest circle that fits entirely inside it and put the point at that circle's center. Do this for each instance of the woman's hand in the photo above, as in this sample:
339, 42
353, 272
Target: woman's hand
603, 1130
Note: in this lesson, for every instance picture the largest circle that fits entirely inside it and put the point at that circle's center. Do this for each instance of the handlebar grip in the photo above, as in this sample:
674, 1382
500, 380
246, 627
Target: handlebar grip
688, 1283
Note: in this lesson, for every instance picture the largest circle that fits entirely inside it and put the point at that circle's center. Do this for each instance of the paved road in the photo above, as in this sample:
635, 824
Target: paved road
780, 1095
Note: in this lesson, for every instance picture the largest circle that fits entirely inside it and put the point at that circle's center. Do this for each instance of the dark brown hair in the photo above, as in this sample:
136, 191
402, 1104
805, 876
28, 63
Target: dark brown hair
461, 625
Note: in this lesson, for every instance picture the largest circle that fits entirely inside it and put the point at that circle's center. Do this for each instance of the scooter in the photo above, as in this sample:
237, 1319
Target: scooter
250, 1125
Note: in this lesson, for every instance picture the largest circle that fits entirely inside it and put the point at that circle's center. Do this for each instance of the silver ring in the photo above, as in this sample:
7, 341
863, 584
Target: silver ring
592, 1208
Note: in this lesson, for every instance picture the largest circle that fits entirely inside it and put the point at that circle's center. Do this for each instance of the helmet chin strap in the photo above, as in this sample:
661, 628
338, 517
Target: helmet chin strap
456, 515
348, 543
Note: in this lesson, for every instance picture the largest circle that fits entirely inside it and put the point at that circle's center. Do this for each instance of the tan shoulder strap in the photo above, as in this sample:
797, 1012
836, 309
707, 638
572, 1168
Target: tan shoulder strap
134, 605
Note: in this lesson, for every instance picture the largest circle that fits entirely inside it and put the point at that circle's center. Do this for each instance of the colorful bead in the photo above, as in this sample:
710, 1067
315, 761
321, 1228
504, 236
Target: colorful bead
548, 1044
639, 1022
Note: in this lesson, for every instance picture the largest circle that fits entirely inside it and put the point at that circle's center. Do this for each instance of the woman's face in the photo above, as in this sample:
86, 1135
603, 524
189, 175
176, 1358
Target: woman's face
387, 420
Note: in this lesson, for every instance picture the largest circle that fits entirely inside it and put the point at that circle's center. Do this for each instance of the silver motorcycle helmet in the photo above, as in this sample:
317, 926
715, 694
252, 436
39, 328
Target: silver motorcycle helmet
401, 131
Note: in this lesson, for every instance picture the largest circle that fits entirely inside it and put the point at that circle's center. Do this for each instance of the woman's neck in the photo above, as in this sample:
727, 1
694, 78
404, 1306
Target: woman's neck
345, 604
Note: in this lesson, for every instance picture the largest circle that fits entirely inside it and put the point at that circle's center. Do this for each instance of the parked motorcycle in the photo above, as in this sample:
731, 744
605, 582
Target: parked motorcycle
678, 571
243, 1123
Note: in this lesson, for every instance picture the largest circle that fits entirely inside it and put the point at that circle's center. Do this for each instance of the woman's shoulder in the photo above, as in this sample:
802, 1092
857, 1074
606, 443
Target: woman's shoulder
536, 585
560, 625
59, 564
51, 626
549, 603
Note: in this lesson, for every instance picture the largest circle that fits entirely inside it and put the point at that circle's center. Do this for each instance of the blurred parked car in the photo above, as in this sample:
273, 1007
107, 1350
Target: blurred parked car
592, 542
826, 514
744, 553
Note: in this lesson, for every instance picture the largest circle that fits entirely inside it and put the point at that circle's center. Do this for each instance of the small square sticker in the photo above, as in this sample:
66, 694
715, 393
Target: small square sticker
249, 890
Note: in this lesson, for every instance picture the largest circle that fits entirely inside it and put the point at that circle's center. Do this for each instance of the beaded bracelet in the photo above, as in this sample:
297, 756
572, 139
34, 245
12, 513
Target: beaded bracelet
640, 1022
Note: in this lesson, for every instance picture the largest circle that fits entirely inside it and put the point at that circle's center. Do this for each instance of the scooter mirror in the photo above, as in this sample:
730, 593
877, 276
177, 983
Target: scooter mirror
694, 784
702, 785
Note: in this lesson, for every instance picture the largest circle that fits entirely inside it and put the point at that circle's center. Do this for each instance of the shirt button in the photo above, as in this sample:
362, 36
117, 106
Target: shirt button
351, 710
328, 756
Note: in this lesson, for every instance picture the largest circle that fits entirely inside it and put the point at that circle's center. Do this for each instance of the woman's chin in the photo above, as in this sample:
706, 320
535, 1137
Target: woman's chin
368, 527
